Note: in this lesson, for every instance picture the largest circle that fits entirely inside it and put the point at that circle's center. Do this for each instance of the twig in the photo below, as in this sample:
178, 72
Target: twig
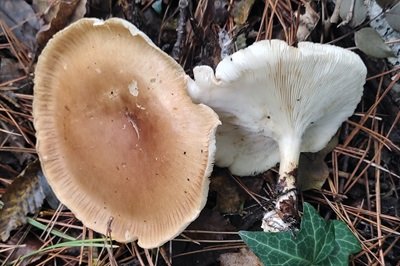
181, 29
378, 147
336, 11
137, 253
148, 257
165, 256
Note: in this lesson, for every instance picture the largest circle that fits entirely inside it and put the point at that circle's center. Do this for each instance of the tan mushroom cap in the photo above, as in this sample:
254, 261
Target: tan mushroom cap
120, 141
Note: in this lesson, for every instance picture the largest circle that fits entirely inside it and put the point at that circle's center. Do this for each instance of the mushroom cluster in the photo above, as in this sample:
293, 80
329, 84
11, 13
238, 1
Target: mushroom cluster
120, 141
274, 102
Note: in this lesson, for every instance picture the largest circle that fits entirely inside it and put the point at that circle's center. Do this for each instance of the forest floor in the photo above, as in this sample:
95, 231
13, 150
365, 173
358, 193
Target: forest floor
360, 175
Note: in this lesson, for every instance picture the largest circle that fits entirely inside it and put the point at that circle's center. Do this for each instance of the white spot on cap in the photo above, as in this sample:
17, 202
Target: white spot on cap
128, 236
133, 89
98, 70
98, 22
140, 107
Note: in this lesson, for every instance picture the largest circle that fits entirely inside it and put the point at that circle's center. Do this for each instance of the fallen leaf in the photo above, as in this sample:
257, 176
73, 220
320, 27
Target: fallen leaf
51, 198
9, 69
29, 244
210, 220
392, 17
20, 17
357, 15
318, 242
229, 198
241, 10
57, 16
371, 43
387, 3
313, 171
23, 196
244, 257
308, 21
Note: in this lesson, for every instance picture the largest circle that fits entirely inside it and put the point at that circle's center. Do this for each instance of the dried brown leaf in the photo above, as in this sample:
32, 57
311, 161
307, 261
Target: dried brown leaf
229, 198
308, 21
27, 245
313, 171
244, 257
58, 15
241, 10
210, 220
23, 196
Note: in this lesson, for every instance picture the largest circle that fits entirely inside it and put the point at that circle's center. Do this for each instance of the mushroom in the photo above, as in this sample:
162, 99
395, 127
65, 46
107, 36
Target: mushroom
119, 139
274, 102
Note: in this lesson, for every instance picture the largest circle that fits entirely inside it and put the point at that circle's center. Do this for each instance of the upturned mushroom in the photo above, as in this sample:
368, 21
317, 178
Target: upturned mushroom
120, 141
274, 102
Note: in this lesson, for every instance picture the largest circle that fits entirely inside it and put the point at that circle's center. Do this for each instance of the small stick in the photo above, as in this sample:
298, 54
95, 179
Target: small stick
335, 14
181, 29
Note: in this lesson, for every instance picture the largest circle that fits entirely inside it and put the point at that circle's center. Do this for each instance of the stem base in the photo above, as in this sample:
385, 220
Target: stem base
285, 216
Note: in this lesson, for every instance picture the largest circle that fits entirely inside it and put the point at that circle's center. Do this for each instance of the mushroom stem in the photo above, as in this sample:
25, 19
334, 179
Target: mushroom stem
285, 215
289, 149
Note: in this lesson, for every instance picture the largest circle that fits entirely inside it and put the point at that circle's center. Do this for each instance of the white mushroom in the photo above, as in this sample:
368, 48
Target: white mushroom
276, 101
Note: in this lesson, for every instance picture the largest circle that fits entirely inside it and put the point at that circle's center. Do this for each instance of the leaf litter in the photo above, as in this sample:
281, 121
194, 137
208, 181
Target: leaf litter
25, 195
56, 16
361, 187
372, 44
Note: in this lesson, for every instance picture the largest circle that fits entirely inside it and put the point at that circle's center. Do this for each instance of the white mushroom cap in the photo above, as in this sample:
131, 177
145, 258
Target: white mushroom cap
120, 141
270, 93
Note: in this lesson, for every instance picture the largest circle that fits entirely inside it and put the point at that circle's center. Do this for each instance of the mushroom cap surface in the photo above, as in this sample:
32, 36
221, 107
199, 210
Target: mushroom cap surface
271, 90
120, 141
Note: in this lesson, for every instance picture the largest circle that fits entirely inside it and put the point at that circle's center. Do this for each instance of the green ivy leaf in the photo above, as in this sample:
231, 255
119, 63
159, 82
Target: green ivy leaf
346, 244
317, 243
